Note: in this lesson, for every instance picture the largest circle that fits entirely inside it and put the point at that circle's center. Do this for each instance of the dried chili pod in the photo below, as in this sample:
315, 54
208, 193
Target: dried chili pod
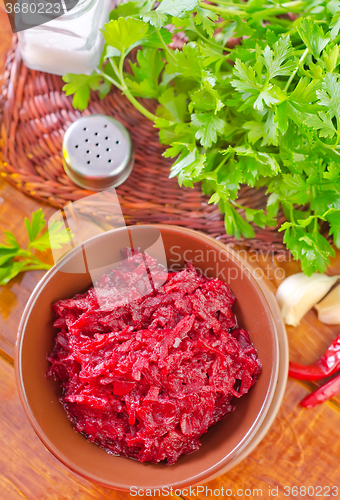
322, 394
327, 365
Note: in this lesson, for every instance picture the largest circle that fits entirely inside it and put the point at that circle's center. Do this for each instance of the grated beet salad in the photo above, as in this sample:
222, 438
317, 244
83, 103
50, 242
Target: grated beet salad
145, 372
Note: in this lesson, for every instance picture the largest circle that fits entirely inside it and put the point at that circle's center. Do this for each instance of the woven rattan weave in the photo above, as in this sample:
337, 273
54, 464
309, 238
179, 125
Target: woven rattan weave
34, 115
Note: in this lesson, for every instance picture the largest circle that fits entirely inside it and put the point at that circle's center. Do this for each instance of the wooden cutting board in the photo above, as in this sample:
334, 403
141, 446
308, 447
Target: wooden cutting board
302, 448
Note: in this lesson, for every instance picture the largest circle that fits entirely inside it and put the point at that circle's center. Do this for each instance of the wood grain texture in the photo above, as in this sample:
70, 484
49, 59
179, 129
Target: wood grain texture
14, 207
301, 449
27, 470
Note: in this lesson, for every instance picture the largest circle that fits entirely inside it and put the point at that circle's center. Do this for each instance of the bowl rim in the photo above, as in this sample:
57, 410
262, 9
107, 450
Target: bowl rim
197, 478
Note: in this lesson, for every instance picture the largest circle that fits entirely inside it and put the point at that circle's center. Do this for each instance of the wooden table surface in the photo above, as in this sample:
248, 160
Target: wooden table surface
301, 449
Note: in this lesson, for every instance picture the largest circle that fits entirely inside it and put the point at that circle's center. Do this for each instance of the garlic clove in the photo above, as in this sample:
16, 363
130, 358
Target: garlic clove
298, 293
295, 283
329, 308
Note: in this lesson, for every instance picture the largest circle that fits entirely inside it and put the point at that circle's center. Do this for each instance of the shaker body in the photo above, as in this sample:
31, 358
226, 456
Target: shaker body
71, 43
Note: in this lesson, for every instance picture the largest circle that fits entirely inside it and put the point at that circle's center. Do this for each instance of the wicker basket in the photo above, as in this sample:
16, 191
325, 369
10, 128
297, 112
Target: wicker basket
34, 115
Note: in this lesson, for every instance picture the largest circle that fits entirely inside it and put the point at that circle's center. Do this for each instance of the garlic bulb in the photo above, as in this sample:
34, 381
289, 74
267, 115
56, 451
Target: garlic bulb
329, 308
298, 293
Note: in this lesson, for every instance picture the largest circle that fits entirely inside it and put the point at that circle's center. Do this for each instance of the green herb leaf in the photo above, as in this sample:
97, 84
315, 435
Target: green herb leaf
273, 205
334, 222
6, 255
207, 19
156, 39
123, 34
329, 96
175, 106
235, 224
208, 127
146, 73
187, 63
10, 271
175, 8
80, 86
130, 9
313, 36
335, 26
14, 259
323, 123
245, 78
264, 112
312, 250
11, 240
333, 172
274, 60
188, 167
259, 218
55, 237
331, 58
36, 225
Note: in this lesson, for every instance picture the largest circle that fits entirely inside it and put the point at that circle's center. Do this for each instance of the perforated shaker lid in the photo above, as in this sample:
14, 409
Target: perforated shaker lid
97, 152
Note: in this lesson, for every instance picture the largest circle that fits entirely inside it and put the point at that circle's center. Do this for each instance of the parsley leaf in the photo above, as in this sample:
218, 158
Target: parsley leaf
333, 172
14, 259
323, 122
123, 34
36, 225
80, 86
10, 271
252, 98
235, 224
188, 167
334, 222
274, 60
208, 126
146, 73
175, 8
329, 96
207, 19
313, 36
131, 9
335, 25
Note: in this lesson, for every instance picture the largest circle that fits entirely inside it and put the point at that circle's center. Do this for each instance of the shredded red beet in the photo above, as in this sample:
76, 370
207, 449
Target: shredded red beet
144, 376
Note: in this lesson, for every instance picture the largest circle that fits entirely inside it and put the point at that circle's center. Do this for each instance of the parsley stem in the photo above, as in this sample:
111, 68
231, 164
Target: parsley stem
271, 11
111, 80
222, 11
115, 69
338, 130
130, 97
222, 163
207, 40
32, 259
35, 267
294, 4
231, 4
328, 146
315, 195
165, 46
302, 58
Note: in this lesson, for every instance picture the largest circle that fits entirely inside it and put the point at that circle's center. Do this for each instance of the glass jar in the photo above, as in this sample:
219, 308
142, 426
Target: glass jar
71, 43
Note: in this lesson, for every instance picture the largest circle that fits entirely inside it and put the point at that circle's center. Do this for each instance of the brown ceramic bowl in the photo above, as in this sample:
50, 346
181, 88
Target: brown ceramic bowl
224, 442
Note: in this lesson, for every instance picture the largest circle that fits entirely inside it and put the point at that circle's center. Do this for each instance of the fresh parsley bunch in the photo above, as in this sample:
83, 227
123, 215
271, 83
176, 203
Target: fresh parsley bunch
14, 259
263, 113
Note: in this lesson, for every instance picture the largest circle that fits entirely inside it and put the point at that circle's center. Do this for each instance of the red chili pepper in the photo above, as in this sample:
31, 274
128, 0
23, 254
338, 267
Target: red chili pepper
327, 365
324, 392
